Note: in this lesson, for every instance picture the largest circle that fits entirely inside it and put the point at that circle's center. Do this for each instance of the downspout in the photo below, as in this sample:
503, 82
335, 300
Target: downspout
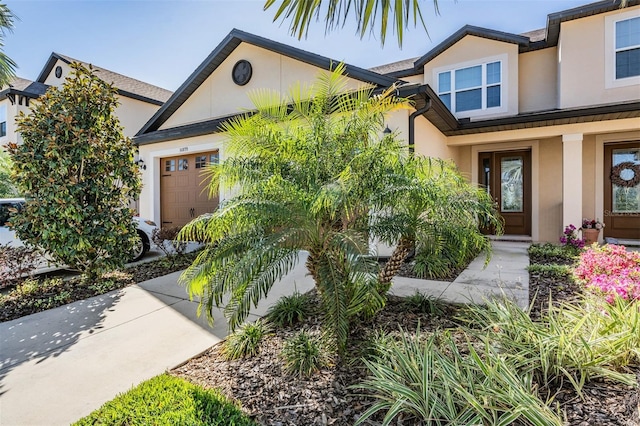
412, 123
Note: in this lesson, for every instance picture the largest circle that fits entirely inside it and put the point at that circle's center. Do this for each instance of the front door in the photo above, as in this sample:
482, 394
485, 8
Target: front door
507, 177
184, 192
622, 190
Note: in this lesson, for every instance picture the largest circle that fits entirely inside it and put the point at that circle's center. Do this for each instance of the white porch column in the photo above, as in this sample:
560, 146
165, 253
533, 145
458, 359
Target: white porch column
572, 179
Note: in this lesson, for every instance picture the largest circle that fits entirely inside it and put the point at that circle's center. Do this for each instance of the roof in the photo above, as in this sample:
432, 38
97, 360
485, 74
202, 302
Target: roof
228, 45
24, 87
126, 86
531, 40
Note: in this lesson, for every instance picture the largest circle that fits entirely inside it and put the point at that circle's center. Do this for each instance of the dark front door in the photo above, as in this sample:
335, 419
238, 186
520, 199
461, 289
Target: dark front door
507, 177
622, 190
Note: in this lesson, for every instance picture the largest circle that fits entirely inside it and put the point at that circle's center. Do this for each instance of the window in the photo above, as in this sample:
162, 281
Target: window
473, 88
3, 120
215, 158
183, 164
627, 48
170, 166
201, 161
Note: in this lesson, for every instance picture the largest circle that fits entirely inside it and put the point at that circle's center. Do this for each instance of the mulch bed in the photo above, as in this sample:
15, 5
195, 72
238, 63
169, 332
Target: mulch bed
275, 399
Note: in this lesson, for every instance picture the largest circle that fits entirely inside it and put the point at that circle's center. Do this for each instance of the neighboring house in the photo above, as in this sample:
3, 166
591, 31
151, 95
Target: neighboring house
548, 121
138, 100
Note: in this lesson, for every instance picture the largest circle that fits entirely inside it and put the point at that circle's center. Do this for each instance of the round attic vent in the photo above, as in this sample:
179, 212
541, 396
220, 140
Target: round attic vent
58, 71
241, 73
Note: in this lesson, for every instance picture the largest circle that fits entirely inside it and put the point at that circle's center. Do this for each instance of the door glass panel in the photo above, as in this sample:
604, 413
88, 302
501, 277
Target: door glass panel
170, 165
201, 161
183, 164
486, 172
625, 197
511, 184
215, 158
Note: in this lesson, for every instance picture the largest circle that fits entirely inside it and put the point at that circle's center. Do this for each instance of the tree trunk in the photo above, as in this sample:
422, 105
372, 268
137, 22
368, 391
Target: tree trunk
392, 267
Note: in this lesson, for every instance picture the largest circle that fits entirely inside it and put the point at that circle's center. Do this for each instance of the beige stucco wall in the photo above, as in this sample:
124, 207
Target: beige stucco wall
219, 96
582, 54
538, 80
472, 49
430, 142
550, 190
589, 176
12, 113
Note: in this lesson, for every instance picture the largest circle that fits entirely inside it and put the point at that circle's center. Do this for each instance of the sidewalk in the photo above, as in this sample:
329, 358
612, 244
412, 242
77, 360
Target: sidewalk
59, 365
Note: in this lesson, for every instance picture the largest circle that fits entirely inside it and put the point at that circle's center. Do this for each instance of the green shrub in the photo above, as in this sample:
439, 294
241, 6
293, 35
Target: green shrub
552, 271
304, 354
168, 400
244, 342
417, 379
447, 250
550, 253
289, 310
573, 342
422, 303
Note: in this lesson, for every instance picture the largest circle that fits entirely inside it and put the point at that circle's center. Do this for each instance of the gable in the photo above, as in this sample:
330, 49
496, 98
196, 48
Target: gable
218, 96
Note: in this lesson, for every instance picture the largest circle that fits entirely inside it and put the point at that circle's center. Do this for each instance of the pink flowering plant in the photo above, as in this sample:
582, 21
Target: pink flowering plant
592, 224
610, 271
570, 238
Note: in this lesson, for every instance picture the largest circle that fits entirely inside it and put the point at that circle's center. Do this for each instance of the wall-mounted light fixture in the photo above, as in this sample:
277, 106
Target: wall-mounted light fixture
387, 130
141, 164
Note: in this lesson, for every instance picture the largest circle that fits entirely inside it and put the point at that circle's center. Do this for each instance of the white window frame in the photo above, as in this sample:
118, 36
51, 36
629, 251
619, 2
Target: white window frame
610, 50
483, 111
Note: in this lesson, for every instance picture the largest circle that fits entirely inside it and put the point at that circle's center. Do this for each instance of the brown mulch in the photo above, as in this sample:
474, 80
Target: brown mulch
273, 398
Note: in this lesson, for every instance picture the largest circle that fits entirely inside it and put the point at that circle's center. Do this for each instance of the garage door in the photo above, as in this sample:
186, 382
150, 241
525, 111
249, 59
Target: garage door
184, 194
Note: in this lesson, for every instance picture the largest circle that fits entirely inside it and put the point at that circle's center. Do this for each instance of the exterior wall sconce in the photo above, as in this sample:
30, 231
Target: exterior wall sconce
387, 130
141, 164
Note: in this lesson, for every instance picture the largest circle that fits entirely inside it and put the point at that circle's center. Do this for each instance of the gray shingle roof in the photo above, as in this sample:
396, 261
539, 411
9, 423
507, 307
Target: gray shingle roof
28, 87
126, 86
403, 65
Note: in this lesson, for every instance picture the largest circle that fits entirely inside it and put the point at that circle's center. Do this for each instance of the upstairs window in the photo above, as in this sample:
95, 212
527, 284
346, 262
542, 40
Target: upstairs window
472, 88
3, 120
627, 48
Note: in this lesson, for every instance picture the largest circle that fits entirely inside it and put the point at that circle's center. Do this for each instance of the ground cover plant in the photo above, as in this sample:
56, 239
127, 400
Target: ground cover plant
42, 292
168, 400
571, 361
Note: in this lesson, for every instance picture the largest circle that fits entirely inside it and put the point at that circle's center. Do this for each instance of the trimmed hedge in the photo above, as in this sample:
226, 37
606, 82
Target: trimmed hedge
168, 400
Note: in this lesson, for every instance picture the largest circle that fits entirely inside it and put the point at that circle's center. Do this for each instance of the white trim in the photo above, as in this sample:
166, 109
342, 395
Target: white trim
534, 146
610, 50
572, 179
504, 85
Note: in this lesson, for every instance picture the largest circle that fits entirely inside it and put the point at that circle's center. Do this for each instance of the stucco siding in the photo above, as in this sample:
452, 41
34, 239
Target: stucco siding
429, 142
538, 80
550, 184
219, 96
584, 47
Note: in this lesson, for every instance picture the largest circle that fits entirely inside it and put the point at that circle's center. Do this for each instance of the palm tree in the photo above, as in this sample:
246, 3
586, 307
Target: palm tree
309, 170
398, 14
7, 65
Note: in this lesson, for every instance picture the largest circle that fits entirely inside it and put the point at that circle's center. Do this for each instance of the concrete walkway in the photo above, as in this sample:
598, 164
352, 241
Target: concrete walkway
59, 365
505, 276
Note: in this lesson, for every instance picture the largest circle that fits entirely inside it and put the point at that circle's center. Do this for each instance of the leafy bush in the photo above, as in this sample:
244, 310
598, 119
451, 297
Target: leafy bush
167, 241
304, 354
422, 303
611, 271
552, 271
244, 342
7, 186
16, 262
168, 400
75, 168
576, 342
551, 253
418, 379
289, 310
447, 250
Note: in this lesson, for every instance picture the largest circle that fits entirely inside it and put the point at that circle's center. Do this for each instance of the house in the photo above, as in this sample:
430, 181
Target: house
548, 121
138, 100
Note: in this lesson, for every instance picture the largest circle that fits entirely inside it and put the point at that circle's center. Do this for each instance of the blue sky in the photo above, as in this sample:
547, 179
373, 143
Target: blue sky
163, 41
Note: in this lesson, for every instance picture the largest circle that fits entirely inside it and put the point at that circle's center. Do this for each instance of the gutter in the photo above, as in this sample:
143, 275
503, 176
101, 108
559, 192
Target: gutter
412, 120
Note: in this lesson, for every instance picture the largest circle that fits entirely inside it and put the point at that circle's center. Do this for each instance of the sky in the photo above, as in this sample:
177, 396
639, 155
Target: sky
163, 41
